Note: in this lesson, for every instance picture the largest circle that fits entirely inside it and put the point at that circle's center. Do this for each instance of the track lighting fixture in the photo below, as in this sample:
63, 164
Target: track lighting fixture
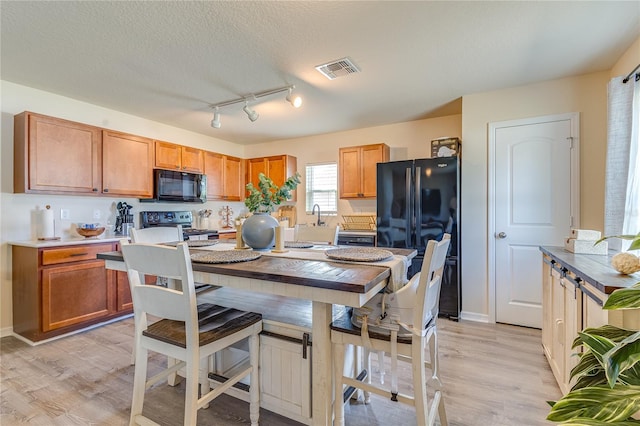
294, 100
215, 123
253, 116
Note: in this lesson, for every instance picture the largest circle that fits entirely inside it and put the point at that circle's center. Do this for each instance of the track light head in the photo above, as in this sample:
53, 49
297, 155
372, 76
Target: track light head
215, 123
253, 116
294, 100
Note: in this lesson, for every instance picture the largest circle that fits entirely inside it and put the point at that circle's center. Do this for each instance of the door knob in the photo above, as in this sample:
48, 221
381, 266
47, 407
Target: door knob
502, 235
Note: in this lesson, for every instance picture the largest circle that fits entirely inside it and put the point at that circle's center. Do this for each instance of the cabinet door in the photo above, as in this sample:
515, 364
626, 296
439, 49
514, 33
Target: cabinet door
233, 187
124, 302
255, 166
277, 169
350, 175
571, 326
285, 377
547, 313
371, 155
592, 313
54, 155
192, 159
214, 169
557, 347
168, 156
127, 165
76, 293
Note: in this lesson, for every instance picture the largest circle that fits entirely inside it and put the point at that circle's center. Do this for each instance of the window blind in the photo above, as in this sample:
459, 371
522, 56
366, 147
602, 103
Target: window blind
322, 187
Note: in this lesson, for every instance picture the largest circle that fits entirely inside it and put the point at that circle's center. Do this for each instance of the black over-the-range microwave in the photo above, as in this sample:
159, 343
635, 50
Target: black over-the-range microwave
177, 186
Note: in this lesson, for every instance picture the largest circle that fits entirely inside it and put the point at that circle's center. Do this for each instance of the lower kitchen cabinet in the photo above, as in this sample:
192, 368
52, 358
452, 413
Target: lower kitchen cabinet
572, 301
75, 293
285, 372
61, 289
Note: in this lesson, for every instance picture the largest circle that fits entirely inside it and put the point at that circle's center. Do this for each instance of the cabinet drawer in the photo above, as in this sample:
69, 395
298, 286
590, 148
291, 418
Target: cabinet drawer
73, 253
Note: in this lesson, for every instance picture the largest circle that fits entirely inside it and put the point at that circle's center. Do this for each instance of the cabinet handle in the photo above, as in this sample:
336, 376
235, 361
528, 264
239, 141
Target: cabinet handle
95, 189
305, 343
105, 190
78, 254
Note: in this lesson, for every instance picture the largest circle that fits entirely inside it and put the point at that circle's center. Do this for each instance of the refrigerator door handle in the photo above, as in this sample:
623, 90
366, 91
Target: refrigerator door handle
407, 180
418, 204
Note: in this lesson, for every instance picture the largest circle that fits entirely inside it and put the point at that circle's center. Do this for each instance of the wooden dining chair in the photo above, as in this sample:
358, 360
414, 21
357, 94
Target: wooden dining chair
185, 331
156, 235
316, 234
405, 328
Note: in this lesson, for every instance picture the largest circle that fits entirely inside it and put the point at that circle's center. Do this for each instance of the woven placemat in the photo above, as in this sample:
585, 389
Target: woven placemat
297, 244
358, 254
193, 243
224, 256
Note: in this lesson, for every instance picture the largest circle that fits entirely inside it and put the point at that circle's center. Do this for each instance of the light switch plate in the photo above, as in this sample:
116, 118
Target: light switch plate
96, 214
64, 214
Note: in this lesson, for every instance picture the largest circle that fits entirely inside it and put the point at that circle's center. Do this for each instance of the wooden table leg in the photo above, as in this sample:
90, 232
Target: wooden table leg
321, 372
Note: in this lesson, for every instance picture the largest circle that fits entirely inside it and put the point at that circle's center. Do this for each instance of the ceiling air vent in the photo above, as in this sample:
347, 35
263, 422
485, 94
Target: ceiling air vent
338, 68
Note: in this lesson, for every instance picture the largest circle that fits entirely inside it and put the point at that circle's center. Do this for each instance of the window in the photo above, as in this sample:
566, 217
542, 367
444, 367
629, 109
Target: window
322, 187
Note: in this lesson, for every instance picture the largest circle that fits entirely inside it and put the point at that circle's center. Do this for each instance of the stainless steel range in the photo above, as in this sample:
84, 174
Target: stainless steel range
184, 218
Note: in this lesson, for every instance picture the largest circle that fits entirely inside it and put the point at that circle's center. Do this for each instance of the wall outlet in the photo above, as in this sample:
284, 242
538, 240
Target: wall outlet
96, 214
65, 214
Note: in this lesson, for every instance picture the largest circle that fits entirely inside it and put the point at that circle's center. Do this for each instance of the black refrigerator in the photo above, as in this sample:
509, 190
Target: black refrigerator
419, 200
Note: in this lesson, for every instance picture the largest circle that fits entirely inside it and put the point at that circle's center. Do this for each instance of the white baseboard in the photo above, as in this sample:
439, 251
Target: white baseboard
6, 332
474, 316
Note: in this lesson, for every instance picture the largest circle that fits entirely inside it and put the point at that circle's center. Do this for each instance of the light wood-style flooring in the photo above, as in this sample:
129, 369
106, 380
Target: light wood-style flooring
494, 375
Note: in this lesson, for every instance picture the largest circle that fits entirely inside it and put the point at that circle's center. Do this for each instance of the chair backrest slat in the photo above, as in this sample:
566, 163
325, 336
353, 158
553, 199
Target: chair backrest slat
428, 291
159, 301
158, 234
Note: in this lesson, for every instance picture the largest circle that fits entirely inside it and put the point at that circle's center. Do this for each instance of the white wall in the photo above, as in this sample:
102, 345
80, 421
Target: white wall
406, 140
584, 94
16, 210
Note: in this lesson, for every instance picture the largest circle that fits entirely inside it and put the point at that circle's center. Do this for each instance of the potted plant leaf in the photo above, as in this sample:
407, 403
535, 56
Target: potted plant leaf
607, 386
258, 229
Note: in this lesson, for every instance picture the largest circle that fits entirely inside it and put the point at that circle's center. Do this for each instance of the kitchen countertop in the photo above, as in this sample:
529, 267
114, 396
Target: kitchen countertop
71, 241
593, 268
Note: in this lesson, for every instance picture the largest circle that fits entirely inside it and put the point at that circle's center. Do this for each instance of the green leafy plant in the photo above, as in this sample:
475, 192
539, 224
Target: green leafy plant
635, 240
268, 195
607, 386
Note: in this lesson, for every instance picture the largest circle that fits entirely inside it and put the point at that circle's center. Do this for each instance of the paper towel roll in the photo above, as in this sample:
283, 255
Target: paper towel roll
46, 226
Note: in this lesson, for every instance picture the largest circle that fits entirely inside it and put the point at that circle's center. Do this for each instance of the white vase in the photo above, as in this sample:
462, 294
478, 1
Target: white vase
258, 231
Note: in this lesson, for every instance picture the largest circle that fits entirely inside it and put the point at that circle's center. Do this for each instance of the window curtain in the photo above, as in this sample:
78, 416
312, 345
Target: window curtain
622, 177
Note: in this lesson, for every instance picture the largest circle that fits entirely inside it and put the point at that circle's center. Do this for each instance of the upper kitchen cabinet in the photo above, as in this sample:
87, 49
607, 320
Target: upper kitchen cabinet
224, 177
357, 169
127, 165
177, 157
277, 167
52, 155
56, 156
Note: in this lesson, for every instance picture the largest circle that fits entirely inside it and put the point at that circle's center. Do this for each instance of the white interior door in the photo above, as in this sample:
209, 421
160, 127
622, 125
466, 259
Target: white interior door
534, 188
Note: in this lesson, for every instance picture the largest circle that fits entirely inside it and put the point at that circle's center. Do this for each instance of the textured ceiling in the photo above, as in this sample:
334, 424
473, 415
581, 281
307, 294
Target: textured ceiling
167, 61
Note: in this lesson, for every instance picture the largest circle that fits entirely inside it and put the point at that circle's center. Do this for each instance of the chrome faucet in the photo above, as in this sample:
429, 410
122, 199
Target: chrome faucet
320, 223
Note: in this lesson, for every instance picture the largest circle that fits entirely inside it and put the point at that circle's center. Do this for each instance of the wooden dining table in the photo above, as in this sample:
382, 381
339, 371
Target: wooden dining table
323, 282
